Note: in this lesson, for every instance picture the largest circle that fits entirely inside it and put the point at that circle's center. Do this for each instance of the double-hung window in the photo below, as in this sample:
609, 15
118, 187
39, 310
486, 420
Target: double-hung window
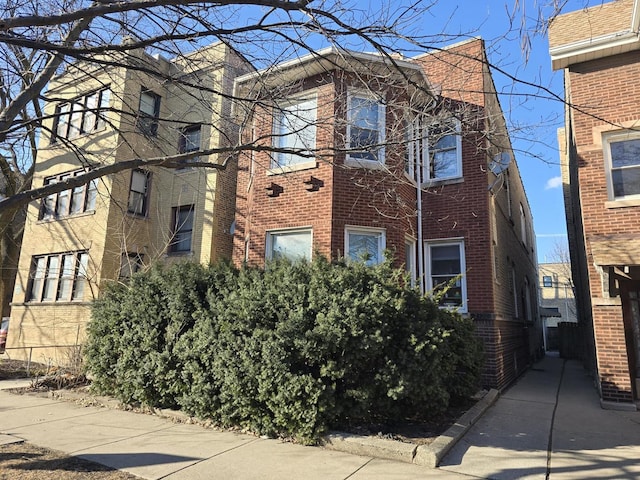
365, 244
71, 201
190, 141
292, 244
445, 151
148, 112
294, 131
365, 128
84, 114
446, 272
547, 281
622, 155
139, 192
58, 277
182, 229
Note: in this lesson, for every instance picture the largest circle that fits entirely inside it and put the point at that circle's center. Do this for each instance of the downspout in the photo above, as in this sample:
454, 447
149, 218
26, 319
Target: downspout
418, 167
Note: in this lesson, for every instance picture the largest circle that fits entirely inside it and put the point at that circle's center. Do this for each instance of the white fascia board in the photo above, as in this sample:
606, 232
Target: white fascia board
593, 48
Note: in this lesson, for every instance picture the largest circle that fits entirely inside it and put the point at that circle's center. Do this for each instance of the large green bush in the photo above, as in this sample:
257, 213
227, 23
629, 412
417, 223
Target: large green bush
291, 350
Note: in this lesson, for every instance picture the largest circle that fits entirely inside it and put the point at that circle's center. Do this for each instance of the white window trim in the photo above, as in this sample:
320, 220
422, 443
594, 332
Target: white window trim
360, 162
426, 165
607, 139
382, 239
268, 253
306, 162
411, 244
463, 267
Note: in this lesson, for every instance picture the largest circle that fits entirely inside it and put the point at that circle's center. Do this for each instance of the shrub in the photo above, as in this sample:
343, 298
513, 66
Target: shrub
291, 350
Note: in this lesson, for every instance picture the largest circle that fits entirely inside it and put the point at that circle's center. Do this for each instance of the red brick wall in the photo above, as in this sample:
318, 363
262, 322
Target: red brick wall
608, 94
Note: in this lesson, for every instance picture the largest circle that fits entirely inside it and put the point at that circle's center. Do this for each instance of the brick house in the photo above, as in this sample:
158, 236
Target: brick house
75, 240
599, 50
342, 141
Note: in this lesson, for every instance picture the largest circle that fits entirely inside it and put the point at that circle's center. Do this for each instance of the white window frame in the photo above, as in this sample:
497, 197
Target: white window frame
428, 171
614, 137
523, 226
285, 161
187, 145
410, 259
271, 234
148, 121
81, 199
48, 272
138, 202
459, 242
81, 115
353, 159
381, 235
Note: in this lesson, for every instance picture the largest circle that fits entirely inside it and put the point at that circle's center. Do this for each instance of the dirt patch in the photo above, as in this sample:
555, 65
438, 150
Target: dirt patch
23, 461
12, 369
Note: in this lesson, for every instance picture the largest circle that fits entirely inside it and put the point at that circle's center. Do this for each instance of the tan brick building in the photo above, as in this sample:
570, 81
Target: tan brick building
599, 50
368, 131
75, 240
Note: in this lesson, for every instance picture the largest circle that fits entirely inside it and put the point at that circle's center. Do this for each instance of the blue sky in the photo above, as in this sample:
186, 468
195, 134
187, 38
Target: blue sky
533, 119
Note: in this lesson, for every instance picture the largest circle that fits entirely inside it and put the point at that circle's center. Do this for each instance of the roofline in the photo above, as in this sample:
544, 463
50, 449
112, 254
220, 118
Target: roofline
449, 47
336, 57
598, 47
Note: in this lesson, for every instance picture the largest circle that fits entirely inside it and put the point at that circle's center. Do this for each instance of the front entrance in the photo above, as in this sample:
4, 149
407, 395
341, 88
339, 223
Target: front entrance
630, 292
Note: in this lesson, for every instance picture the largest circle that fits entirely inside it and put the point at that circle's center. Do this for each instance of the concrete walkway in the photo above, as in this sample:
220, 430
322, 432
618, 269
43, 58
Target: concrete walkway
552, 408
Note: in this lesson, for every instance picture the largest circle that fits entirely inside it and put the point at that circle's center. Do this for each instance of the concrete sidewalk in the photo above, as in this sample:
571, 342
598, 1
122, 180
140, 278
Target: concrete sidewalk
552, 408
550, 425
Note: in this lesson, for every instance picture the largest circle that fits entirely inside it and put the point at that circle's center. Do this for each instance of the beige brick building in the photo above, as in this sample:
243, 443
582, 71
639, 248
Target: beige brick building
75, 240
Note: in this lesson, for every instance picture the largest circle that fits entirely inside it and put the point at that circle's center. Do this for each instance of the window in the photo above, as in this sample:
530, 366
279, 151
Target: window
514, 291
81, 115
523, 225
365, 128
139, 192
190, 141
182, 229
622, 153
294, 129
410, 259
68, 202
445, 151
130, 263
58, 277
547, 281
148, 113
446, 272
365, 244
290, 244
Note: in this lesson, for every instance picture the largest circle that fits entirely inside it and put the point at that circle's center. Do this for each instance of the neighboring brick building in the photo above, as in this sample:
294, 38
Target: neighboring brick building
599, 50
105, 230
368, 129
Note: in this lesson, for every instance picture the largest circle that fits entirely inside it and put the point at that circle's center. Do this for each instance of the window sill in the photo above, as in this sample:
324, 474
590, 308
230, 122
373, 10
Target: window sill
51, 303
635, 202
66, 217
292, 168
190, 253
444, 181
139, 216
361, 163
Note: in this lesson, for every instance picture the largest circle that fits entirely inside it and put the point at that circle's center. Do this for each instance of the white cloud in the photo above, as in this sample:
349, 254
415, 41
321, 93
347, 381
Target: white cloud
555, 182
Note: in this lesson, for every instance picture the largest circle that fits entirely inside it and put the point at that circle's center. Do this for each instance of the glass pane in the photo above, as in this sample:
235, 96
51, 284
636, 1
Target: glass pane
453, 295
63, 121
66, 282
625, 153
445, 259
38, 278
81, 276
105, 95
50, 282
136, 203
626, 181
364, 113
77, 199
76, 120
138, 181
291, 245
63, 200
89, 123
92, 193
445, 163
148, 103
183, 229
364, 246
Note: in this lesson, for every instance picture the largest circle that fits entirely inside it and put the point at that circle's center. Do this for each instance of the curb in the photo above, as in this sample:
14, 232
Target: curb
424, 455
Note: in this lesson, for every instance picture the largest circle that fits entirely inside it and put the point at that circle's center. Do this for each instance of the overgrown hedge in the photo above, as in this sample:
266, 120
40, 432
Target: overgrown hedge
291, 350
